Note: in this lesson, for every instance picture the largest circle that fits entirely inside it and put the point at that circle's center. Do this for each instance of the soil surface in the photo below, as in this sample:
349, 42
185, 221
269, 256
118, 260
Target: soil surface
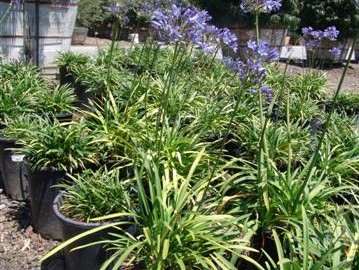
22, 248
103, 42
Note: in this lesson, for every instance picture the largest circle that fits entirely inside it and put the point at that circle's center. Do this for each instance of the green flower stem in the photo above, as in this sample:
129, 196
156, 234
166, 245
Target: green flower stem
150, 65
108, 75
163, 109
205, 190
260, 157
290, 150
263, 141
315, 157
257, 27
214, 55
148, 84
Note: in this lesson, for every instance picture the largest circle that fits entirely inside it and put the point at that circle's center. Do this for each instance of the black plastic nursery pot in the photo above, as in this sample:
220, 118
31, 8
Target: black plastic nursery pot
84, 97
262, 240
89, 258
66, 77
63, 117
13, 171
42, 195
2, 126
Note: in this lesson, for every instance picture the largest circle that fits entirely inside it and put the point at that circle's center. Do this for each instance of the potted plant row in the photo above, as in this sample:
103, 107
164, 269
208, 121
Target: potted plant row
127, 131
214, 179
24, 95
51, 149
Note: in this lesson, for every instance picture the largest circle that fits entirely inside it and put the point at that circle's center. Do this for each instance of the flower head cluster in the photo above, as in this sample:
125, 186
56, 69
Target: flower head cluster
335, 51
253, 67
188, 24
120, 9
254, 6
265, 90
180, 24
147, 8
313, 37
16, 2
217, 36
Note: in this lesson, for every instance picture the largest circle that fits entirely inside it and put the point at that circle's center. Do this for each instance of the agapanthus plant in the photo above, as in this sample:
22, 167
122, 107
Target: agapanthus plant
140, 9
189, 24
324, 40
258, 6
252, 69
315, 37
120, 9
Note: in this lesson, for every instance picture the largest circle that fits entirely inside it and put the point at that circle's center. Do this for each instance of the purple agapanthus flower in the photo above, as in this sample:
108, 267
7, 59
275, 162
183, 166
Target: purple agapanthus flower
314, 38
16, 2
262, 51
267, 92
331, 33
228, 38
147, 8
189, 24
335, 51
267, 6
120, 9
253, 67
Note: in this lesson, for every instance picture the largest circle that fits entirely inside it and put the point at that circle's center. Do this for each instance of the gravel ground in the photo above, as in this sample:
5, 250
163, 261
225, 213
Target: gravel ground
20, 247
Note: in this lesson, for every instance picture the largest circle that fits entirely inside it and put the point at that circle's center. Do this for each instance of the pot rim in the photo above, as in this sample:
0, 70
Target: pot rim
5, 140
72, 222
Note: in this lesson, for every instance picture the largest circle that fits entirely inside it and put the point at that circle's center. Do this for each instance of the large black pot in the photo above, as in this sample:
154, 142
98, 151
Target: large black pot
84, 97
42, 195
64, 117
13, 171
66, 77
89, 258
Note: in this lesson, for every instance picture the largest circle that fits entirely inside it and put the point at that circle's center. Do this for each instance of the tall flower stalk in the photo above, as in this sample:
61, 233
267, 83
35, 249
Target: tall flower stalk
257, 7
316, 154
183, 27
